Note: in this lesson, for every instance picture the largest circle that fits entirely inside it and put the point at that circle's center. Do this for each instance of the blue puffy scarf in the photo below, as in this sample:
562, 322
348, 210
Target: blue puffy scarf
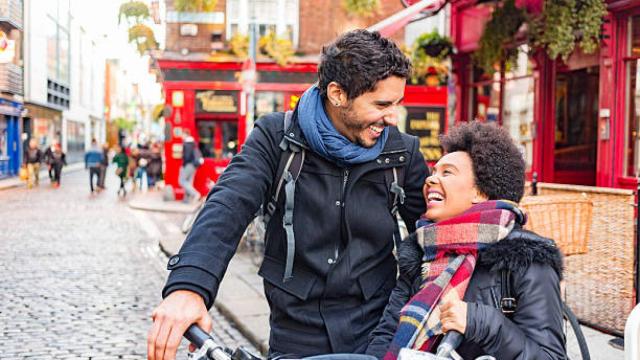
324, 139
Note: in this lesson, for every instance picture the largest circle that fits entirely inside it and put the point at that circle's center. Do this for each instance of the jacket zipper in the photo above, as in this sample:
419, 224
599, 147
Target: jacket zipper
345, 178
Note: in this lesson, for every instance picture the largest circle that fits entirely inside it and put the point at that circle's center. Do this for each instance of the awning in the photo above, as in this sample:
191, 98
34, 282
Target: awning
397, 21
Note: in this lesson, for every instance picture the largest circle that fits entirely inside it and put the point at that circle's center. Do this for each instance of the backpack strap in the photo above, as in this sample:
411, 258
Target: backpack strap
508, 303
394, 178
289, 170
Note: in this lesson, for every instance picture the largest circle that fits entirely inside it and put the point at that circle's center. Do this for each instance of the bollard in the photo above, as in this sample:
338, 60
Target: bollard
632, 335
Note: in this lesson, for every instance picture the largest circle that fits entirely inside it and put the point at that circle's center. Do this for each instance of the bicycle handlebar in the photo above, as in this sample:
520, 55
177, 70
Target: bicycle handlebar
207, 348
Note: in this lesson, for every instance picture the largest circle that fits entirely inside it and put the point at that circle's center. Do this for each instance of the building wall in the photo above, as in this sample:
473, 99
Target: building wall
199, 43
325, 20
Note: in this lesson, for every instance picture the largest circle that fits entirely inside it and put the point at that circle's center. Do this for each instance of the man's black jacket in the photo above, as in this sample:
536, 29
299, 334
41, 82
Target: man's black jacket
344, 269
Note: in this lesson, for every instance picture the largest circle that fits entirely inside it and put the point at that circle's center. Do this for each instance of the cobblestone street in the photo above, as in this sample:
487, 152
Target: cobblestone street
80, 274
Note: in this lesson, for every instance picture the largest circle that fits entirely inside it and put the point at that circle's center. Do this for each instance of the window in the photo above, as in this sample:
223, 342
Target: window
279, 16
632, 63
57, 32
506, 97
517, 117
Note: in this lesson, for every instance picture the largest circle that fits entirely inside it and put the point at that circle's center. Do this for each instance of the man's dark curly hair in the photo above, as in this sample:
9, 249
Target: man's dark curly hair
498, 165
357, 60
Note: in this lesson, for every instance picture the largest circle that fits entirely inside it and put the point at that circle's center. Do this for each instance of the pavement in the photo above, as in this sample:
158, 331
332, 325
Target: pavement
14, 182
80, 274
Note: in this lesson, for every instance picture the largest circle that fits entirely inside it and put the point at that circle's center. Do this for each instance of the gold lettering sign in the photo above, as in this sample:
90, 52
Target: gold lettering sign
212, 102
425, 123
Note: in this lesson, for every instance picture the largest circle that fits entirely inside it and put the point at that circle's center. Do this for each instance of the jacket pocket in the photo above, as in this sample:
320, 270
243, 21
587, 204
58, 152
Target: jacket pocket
372, 280
300, 285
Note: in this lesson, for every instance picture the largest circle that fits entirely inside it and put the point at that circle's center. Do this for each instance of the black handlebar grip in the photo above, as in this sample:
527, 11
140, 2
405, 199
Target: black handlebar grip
196, 335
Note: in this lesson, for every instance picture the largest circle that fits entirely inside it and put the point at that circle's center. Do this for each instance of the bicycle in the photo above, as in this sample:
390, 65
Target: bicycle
209, 349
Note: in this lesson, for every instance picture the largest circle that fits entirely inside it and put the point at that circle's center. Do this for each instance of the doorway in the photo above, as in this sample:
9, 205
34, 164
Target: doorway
576, 137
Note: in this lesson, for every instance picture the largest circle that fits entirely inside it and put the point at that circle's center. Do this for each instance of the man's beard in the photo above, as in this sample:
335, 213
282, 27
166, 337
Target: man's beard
352, 125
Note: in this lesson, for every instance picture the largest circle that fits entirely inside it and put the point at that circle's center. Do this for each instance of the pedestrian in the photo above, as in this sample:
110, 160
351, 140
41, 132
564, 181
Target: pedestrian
471, 249
191, 160
134, 157
154, 168
329, 266
33, 156
103, 166
122, 163
141, 170
48, 158
57, 159
93, 159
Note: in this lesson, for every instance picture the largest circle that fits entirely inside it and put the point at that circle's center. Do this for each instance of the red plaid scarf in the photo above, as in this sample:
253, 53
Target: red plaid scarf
450, 253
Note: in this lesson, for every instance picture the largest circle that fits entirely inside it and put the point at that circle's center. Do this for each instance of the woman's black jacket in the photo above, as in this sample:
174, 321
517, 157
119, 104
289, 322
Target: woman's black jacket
534, 331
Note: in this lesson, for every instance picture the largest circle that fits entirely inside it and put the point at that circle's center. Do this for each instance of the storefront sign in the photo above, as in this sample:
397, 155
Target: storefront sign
427, 123
217, 101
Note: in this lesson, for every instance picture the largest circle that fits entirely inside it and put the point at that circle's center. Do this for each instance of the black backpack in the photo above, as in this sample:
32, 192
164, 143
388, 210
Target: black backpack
289, 168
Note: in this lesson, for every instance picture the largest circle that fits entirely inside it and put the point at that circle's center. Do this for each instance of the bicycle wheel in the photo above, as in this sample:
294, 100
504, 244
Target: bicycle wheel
575, 341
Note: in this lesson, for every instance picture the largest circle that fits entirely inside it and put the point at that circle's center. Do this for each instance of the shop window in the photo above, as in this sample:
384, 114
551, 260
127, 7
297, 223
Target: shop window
268, 102
632, 154
517, 117
485, 96
218, 139
507, 97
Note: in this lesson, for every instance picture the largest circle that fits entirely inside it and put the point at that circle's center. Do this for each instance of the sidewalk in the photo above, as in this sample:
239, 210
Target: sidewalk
15, 181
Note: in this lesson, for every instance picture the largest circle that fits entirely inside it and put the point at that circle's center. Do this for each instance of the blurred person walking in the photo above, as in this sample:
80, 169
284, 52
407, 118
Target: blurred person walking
56, 159
134, 157
154, 168
33, 156
103, 166
122, 163
191, 159
93, 159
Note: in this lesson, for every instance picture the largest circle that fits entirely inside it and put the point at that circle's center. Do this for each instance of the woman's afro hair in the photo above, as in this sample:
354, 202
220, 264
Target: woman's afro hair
498, 165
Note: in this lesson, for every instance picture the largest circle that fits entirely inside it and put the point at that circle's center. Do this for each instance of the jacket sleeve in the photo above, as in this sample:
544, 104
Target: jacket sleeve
230, 206
409, 260
380, 338
415, 175
534, 331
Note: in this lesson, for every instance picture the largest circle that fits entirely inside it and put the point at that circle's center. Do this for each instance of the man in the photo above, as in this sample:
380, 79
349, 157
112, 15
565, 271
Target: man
93, 159
190, 161
32, 159
343, 263
104, 165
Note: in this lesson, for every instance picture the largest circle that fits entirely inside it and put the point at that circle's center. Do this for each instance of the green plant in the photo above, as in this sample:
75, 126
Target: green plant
496, 42
143, 37
364, 8
124, 123
195, 5
590, 15
559, 39
429, 56
562, 23
434, 44
134, 11
279, 49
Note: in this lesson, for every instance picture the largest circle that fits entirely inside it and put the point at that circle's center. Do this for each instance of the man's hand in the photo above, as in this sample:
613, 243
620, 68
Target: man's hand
170, 321
453, 316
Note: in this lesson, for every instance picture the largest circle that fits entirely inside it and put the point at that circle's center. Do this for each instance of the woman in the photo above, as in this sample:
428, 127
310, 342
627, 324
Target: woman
469, 256
122, 162
55, 159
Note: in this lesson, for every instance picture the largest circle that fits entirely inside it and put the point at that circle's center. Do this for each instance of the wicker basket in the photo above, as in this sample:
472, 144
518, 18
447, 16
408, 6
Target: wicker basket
564, 218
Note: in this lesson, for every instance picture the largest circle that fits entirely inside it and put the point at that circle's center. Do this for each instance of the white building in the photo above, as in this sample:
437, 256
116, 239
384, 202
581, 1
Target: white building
64, 75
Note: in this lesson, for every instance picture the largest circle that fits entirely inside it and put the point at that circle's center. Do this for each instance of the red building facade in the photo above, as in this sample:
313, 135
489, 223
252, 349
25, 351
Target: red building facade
576, 121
